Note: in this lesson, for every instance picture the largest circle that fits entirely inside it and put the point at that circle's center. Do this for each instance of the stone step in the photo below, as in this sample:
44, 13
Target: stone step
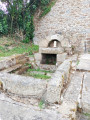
68, 108
10, 69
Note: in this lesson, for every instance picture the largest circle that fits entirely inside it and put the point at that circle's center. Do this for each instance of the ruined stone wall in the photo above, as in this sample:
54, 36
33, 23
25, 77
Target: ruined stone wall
68, 17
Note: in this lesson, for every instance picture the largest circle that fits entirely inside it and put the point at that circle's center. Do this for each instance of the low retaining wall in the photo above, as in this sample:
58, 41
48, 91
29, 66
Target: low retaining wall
50, 89
23, 86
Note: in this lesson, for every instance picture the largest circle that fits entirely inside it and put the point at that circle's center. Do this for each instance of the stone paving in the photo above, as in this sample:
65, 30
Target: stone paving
11, 110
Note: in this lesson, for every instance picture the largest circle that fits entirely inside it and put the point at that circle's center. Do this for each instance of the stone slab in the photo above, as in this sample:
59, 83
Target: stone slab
11, 110
69, 104
68, 109
51, 50
84, 62
13, 60
37, 56
61, 57
65, 67
10, 69
86, 93
48, 67
54, 88
23, 86
74, 88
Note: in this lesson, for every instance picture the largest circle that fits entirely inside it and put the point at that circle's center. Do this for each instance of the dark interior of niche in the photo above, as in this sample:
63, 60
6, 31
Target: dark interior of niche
49, 59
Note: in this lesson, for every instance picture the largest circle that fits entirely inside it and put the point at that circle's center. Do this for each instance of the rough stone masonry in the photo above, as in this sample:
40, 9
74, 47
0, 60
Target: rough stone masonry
70, 18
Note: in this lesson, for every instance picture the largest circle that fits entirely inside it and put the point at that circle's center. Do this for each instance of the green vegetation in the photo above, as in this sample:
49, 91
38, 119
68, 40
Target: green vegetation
47, 9
39, 76
38, 73
10, 47
3, 24
78, 62
41, 103
87, 114
39, 70
23, 48
19, 18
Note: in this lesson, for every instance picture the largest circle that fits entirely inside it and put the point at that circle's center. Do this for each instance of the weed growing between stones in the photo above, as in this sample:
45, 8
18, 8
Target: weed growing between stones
41, 104
87, 114
39, 76
37, 73
39, 70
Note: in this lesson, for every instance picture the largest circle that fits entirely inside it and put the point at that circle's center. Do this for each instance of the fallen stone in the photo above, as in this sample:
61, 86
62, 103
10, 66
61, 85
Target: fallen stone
13, 60
10, 69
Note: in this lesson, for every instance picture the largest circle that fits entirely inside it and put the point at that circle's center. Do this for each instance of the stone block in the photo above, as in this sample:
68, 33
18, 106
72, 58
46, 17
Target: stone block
84, 62
65, 43
23, 86
12, 110
68, 109
57, 37
86, 93
13, 60
52, 50
22, 61
65, 67
43, 44
37, 56
54, 88
48, 67
61, 57
7, 63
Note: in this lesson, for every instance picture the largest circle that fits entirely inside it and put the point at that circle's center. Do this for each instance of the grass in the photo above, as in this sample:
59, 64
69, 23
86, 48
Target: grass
39, 70
39, 76
17, 47
87, 114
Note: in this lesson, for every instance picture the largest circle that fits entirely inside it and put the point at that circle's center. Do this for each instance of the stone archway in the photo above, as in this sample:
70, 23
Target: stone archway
54, 43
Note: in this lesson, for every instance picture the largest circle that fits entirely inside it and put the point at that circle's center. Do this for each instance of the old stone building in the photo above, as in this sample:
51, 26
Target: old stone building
69, 18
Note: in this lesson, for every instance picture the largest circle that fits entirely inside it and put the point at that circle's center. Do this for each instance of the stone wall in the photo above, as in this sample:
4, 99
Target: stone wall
69, 18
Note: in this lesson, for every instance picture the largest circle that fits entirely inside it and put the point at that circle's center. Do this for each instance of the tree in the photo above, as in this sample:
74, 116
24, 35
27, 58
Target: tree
20, 17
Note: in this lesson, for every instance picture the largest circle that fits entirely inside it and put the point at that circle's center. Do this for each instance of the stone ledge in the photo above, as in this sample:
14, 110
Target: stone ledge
55, 85
86, 93
65, 67
54, 88
51, 50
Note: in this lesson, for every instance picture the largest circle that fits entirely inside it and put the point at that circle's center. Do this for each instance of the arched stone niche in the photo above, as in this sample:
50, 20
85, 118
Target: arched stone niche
54, 44
50, 39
